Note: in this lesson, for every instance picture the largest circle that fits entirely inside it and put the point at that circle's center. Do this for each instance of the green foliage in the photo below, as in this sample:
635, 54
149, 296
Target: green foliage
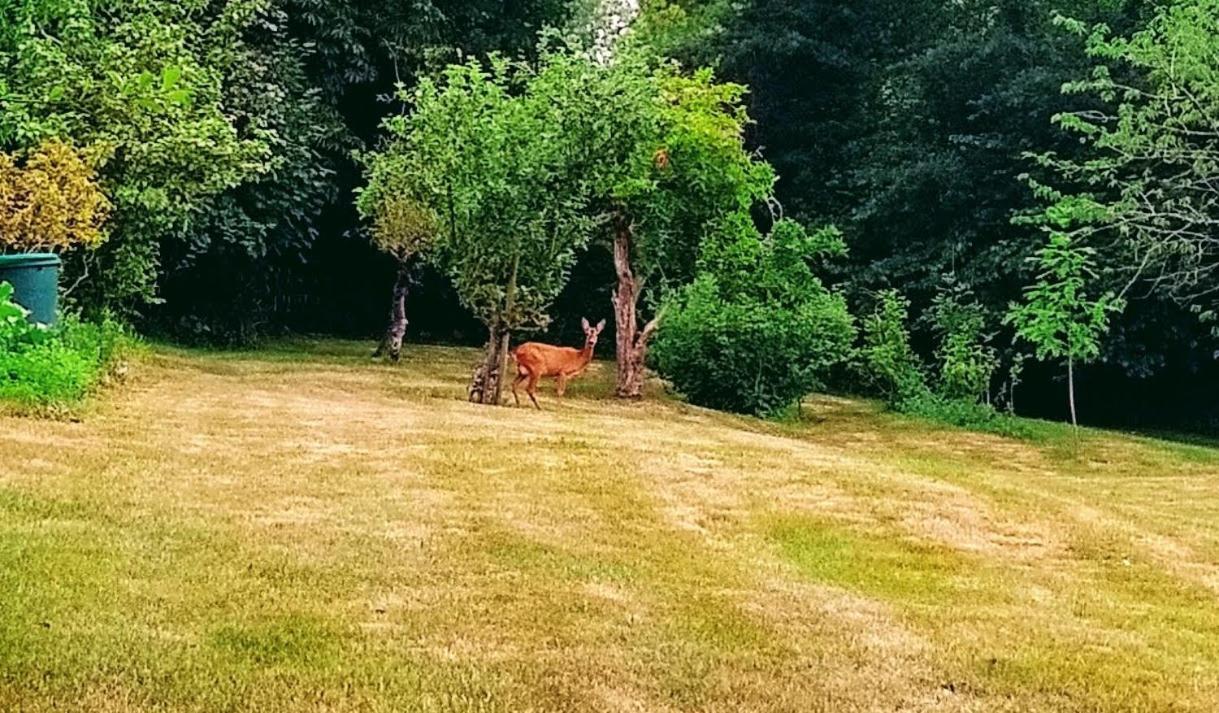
970, 415
225, 130
51, 202
1144, 188
45, 369
966, 360
494, 155
403, 227
890, 362
910, 136
756, 330
15, 331
141, 87
222, 276
966, 364
1057, 317
685, 169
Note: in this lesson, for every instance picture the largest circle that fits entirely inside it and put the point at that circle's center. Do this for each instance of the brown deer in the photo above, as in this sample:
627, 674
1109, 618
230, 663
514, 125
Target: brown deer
534, 361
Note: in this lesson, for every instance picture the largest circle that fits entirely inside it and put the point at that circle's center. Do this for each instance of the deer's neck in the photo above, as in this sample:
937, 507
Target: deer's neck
586, 354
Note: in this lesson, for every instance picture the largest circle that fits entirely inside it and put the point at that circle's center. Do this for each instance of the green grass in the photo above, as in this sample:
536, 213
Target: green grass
300, 529
898, 570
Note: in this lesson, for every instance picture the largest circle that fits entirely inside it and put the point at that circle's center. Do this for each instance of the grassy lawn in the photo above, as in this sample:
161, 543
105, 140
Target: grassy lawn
298, 529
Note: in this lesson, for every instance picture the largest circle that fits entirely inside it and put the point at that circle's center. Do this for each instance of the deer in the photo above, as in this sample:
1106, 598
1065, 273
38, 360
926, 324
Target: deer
535, 360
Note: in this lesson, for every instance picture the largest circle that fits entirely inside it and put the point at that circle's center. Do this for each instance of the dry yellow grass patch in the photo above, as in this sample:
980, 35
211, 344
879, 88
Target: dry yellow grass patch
300, 530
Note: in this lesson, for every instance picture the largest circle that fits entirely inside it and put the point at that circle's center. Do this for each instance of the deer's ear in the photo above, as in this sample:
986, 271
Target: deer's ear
600, 325
584, 323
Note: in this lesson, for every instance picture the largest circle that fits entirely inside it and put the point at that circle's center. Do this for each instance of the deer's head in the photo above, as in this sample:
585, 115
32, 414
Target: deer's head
591, 333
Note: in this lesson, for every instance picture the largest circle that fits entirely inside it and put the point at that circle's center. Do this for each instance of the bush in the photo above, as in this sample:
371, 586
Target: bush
967, 414
48, 369
967, 362
890, 363
756, 330
53, 202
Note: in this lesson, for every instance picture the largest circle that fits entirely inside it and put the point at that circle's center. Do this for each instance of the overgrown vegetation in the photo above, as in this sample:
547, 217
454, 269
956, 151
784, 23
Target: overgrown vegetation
910, 135
960, 392
52, 369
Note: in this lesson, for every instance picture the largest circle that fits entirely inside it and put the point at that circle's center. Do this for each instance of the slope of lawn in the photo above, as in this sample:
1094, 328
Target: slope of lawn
298, 529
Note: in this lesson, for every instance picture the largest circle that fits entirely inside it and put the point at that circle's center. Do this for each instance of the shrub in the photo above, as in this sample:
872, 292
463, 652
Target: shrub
53, 202
756, 329
967, 362
48, 369
889, 361
968, 414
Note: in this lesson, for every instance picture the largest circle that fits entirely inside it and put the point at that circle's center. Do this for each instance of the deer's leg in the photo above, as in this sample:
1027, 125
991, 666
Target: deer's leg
521, 375
532, 389
562, 384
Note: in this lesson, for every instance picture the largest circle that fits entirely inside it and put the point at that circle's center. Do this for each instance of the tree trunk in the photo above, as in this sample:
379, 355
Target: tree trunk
1071, 390
487, 383
483, 381
632, 343
391, 343
509, 306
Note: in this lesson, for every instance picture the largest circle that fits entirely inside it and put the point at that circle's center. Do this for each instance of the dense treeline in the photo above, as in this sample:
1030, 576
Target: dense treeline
910, 126
224, 130
229, 138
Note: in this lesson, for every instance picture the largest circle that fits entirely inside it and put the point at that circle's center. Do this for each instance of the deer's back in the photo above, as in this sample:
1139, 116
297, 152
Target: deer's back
546, 359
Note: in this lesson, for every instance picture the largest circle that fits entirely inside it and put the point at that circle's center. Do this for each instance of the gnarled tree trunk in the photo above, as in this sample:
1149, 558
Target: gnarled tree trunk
391, 343
487, 382
632, 342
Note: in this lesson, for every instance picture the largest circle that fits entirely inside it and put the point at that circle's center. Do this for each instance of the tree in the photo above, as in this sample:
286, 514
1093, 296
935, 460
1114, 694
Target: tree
1153, 153
139, 87
223, 279
688, 170
493, 153
1057, 317
404, 228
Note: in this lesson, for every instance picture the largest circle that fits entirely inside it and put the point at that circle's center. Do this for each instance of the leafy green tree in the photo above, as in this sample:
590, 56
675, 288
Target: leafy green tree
1057, 317
222, 278
681, 169
1145, 189
493, 153
226, 129
139, 87
403, 227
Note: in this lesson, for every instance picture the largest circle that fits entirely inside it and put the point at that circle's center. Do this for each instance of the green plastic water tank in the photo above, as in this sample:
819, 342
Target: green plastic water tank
35, 281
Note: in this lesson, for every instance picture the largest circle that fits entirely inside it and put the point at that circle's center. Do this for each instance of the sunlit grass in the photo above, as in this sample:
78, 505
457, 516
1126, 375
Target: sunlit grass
300, 529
